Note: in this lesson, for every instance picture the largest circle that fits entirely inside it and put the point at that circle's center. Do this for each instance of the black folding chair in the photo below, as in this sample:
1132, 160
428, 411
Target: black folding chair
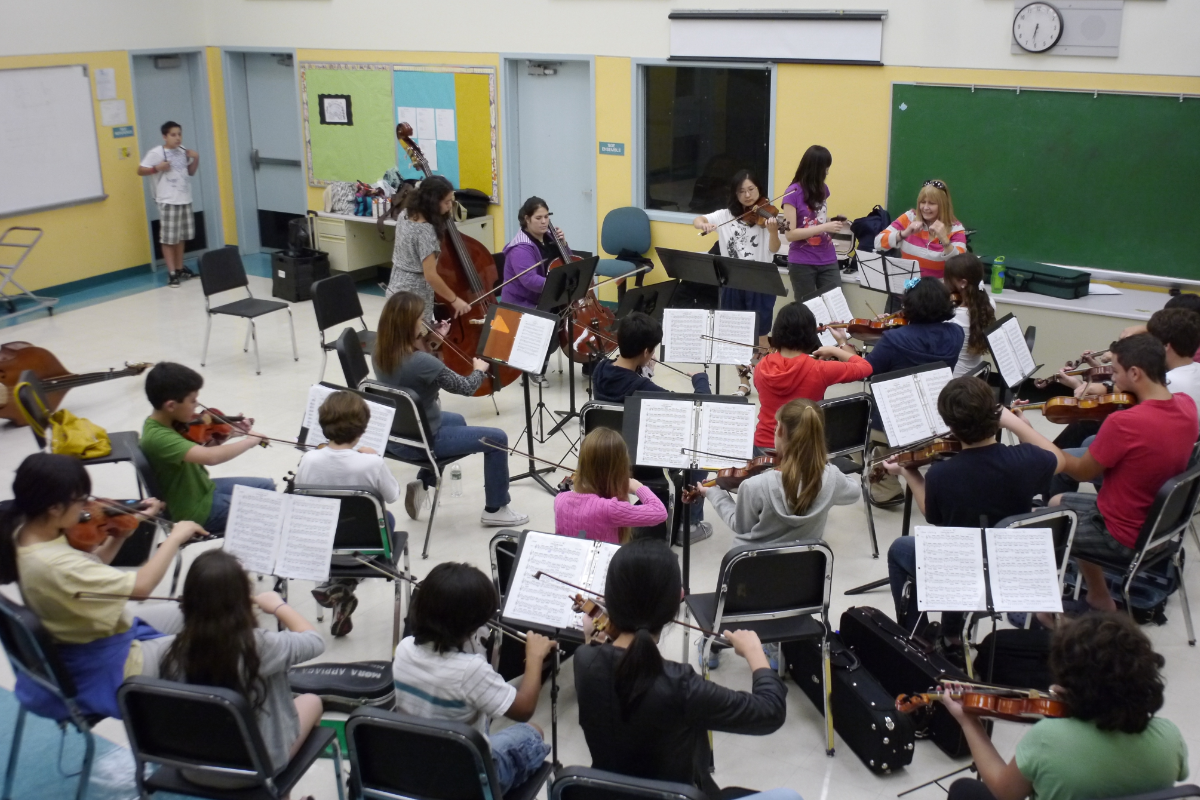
395, 757
779, 591
847, 433
33, 655
585, 783
352, 357
206, 730
34, 406
335, 300
221, 270
362, 531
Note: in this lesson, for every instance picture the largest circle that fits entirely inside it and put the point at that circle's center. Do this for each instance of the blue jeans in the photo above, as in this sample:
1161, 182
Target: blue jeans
456, 438
902, 567
223, 496
518, 751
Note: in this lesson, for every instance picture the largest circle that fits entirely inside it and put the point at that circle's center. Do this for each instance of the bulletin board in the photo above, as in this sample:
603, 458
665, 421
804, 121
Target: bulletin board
361, 151
452, 111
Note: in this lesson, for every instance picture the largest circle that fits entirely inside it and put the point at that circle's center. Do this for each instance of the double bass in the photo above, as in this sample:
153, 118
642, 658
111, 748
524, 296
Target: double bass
469, 270
17, 357
590, 317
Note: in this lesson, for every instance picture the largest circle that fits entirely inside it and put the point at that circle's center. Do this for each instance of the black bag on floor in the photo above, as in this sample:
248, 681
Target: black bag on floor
1022, 658
345, 687
902, 667
864, 714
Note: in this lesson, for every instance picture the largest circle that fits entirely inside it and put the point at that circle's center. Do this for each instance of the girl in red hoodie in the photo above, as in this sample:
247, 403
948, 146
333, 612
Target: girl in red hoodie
789, 372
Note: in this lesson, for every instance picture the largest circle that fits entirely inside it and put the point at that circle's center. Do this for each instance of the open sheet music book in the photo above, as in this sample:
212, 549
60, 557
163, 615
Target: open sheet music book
378, 426
885, 273
517, 337
543, 603
1020, 569
907, 403
667, 431
1009, 351
286, 535
827, 308
684, 330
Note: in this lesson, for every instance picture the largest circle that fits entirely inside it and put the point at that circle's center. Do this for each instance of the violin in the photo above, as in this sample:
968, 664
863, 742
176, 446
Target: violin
211, 427
921, 456
1014, 705
869, 327
1095, 408
1089, 374
599, 617
589, 315
731, 478
101, 519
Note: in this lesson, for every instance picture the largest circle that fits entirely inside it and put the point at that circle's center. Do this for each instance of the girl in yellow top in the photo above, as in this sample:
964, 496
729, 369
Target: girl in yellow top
99, 642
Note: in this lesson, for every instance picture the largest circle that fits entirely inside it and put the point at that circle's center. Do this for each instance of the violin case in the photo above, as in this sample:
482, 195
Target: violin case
1032, 276
345, 687
864, 713
1022, 658
903, 667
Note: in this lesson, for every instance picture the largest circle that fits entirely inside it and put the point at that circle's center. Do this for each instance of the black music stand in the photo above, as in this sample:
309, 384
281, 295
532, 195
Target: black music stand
566, 285
880, 272
651, 300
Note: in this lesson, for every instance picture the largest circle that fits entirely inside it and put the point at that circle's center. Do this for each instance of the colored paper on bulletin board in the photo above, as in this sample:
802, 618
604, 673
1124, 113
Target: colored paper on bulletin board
362, 151
452, 111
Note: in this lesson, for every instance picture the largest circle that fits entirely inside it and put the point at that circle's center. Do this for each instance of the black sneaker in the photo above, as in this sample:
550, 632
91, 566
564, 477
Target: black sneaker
343, 607
173, 281
187, 274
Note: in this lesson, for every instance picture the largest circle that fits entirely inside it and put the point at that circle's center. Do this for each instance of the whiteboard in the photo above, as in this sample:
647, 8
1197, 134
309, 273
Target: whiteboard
49, 155
782, 36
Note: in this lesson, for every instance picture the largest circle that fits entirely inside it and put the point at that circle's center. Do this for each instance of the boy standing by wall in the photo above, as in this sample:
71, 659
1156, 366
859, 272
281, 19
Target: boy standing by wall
172, 166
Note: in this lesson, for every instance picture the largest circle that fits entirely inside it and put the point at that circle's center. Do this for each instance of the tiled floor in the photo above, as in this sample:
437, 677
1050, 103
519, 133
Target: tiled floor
168, 324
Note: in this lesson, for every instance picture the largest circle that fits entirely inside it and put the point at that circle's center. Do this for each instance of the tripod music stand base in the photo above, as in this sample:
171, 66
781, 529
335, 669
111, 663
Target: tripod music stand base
537, 474
904, 526
869, 587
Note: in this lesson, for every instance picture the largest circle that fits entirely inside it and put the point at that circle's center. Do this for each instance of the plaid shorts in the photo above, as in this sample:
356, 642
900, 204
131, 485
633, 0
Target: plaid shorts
176, 223
1091, 534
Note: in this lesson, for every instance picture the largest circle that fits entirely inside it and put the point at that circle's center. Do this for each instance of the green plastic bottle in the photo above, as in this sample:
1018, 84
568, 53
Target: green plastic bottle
998, 275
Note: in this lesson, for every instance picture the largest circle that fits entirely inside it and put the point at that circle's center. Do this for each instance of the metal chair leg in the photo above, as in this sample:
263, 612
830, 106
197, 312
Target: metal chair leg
249, 327
207, 332
338, 775
254, 336
18, 729
1183, 598
863, 483
85, 774
292, 328
324, 358
437, 491
827, 682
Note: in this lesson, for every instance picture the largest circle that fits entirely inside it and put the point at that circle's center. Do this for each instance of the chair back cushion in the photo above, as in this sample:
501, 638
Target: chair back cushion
145, 472
504, 547
847, 421
625, 228
1173, 507
335, 300
222, 270
358, 526
31, 648
351, 355
775, 578
602, 415
419, 758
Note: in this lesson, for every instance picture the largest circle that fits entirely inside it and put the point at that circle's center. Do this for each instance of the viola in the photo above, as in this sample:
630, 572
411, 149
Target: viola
210, 427
1093, 408
731, 478
1014, 705
100, 519
589, 315
599, 617
859, 327
918, 457
56, 380
468, 269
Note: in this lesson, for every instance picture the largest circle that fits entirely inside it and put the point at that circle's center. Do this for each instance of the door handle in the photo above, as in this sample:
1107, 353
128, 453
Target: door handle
258, 160
587, 195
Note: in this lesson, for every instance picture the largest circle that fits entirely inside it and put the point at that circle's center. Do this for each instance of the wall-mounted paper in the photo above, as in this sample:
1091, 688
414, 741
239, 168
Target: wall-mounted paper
106, 84
445, 124
429, 148
112, 112
426, 124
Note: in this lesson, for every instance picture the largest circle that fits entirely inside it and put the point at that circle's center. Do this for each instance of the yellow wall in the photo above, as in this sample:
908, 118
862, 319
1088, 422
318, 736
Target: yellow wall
94, 238
614, 123
216, 100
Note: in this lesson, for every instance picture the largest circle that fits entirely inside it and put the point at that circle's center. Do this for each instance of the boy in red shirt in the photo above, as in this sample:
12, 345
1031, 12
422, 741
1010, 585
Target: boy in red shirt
1135, 452
789, 372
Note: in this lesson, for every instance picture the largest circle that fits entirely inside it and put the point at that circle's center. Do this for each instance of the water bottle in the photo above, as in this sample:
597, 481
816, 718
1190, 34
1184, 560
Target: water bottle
998, 275
455, 480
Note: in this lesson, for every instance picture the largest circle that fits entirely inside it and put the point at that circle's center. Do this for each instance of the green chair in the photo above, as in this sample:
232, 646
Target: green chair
625, 234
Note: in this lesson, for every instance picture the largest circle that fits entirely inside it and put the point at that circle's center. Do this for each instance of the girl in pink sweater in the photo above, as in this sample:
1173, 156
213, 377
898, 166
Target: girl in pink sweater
598, 506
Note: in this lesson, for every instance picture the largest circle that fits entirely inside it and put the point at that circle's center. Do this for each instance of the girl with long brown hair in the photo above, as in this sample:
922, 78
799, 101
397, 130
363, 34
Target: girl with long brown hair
791, 502
598, 506
974, 308
929, 233
401, 364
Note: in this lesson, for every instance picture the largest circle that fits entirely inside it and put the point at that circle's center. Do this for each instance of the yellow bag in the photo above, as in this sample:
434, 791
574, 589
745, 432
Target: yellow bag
75, 436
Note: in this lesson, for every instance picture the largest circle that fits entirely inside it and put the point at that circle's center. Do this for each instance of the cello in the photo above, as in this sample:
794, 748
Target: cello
17, 357
469, 270
589, 315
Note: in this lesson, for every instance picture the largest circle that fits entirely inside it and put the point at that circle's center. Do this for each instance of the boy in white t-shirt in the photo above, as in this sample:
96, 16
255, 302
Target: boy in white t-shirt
172, 166
343, 418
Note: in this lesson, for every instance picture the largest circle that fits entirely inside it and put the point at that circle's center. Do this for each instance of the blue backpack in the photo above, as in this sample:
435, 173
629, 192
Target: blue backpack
865, 229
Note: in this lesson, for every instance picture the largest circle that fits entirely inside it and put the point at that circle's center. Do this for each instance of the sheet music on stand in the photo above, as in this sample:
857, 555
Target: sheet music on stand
543, 604
286, 535
379, 424
907, 403
1021, 570
884, 273
826, 308
689, 336
517, 337
679, 431
1010, 352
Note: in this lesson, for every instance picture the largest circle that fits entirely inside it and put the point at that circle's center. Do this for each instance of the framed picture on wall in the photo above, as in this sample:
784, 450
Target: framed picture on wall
335, 109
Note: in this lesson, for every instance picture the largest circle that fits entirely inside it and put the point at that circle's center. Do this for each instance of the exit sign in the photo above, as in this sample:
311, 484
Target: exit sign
612, 148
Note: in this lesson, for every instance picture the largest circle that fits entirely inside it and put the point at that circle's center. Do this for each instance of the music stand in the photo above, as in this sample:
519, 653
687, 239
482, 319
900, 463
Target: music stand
887, 274
751, 276
566, 285
652, 300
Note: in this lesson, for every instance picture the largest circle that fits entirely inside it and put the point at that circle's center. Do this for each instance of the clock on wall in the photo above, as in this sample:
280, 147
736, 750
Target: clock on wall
1037, 27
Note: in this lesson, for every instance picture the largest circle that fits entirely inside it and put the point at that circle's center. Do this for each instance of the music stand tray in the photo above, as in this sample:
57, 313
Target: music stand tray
567, 283
751, 276
652, 300
692, 267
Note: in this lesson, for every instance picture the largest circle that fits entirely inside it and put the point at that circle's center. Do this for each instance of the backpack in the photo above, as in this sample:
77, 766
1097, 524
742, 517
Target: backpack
1147, 595
865, 229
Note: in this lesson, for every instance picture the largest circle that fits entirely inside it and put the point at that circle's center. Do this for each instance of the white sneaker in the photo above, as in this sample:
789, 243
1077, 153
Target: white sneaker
503, 517
414, 498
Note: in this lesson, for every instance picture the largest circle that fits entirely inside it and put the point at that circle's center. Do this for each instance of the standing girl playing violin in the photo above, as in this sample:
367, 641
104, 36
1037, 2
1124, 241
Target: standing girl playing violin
791, 502
751, 237
812, 260
100, 643
418, 243
1111, 745
598, 505
974, 309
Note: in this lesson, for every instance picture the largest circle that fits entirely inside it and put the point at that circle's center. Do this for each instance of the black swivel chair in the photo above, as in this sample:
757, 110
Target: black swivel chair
222, 271
335, 300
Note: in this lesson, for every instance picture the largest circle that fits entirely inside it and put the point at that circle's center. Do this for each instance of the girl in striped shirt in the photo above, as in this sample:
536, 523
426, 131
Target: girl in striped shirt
929, 233
598, 506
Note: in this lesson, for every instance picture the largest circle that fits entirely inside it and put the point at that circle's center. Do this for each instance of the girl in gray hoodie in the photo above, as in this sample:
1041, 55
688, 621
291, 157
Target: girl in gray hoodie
791, 502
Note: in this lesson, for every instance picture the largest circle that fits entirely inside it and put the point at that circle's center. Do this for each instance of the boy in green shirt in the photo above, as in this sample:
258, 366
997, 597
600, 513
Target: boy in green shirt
179, 463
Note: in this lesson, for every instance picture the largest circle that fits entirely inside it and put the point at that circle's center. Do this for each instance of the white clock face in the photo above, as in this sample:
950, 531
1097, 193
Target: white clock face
1037, 27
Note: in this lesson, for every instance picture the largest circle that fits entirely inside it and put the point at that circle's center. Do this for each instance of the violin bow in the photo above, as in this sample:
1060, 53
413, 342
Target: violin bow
731, 341
500, 286
107, 596
489, 443
770, 202
613, 342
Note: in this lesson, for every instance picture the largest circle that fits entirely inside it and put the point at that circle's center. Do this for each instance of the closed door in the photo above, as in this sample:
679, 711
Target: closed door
163, 90
556, 149
275, 133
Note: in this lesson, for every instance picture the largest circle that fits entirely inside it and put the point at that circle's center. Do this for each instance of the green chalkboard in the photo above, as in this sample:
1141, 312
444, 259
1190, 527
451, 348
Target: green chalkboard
1107, 181
363, 150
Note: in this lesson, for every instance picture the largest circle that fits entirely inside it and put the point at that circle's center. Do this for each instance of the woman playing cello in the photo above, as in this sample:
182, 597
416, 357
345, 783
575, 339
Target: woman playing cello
530, 246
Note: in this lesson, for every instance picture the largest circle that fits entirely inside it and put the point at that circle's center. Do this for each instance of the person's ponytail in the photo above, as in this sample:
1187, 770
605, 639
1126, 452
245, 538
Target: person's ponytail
967, 267
803, 462
42, 482
637, 670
